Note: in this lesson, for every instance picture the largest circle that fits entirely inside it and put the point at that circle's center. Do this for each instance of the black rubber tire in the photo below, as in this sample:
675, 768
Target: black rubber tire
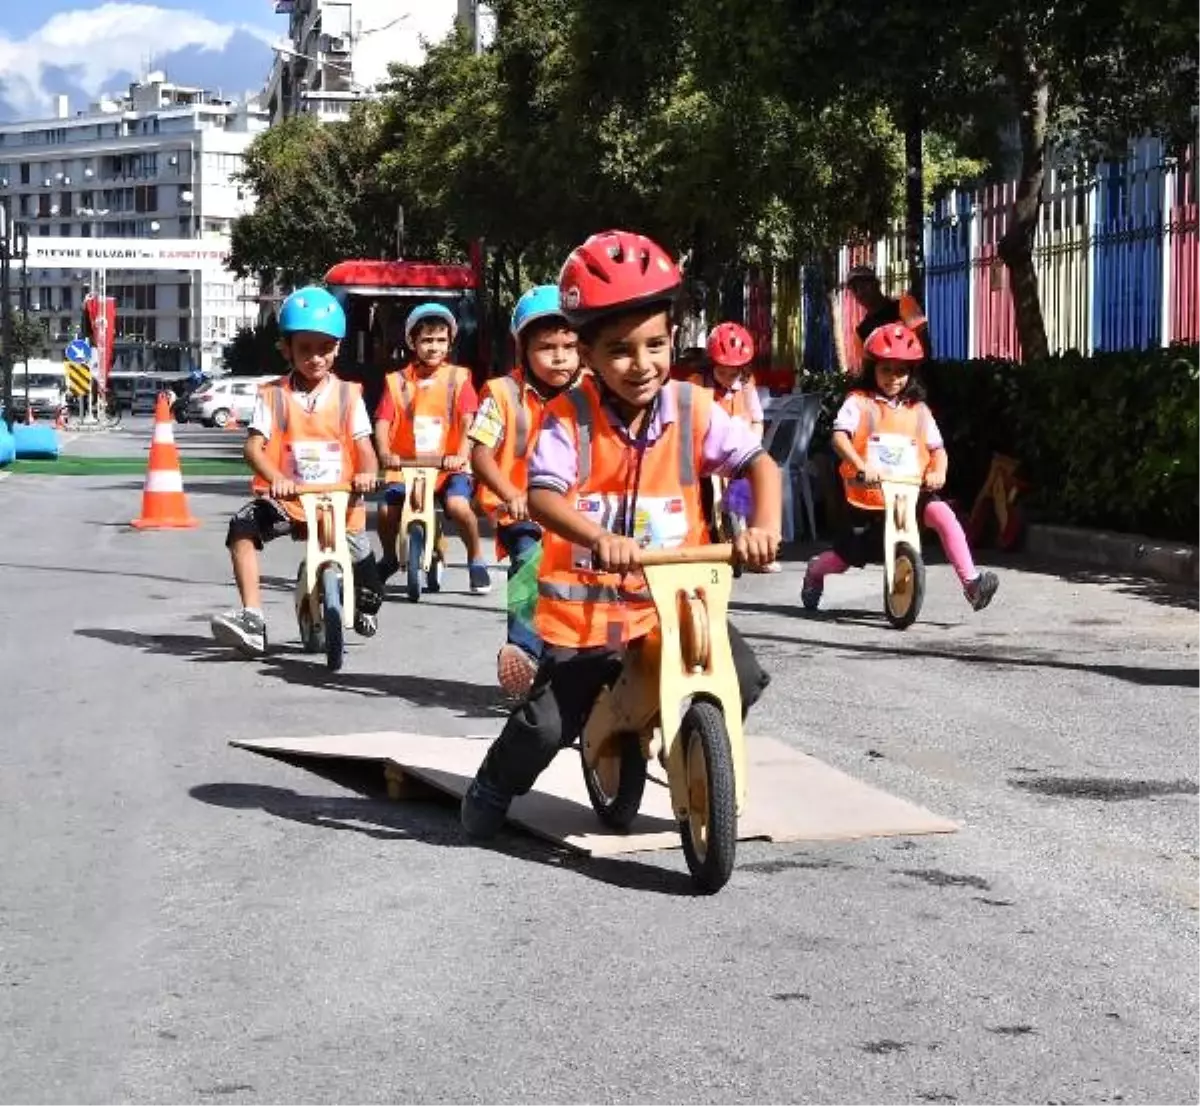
618, 811
331, 606
220, 417
711, 864
903, 619
416, 553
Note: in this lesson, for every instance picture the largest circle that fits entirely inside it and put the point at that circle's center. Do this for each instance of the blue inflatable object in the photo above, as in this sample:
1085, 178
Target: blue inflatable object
38, 440
8, 448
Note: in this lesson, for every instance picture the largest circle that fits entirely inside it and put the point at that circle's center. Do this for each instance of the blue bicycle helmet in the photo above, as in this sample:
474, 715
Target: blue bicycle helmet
538, 303
436, 311
314, 309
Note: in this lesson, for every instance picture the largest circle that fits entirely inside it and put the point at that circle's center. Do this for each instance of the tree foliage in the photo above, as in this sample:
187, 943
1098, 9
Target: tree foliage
736, 131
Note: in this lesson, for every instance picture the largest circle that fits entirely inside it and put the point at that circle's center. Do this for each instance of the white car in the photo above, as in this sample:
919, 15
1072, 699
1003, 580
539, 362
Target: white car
214, 403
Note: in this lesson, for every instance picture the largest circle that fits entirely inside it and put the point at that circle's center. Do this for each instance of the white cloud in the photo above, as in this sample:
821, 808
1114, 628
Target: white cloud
97, 44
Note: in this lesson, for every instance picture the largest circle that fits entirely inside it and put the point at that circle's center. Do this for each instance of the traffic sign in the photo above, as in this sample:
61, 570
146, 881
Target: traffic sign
79, 351
79, 378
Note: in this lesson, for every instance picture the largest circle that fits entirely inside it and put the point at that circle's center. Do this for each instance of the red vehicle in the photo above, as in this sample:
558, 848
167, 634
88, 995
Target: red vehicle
377, 297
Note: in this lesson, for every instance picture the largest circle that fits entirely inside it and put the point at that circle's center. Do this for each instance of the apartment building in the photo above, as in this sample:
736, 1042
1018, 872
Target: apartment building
335, 52
158, 162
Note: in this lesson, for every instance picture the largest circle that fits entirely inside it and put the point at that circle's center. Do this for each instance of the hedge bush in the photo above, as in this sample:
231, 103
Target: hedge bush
1110, 441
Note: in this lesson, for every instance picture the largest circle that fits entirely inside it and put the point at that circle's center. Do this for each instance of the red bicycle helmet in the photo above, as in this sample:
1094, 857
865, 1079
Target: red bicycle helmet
893, 342
730, 344
614, 271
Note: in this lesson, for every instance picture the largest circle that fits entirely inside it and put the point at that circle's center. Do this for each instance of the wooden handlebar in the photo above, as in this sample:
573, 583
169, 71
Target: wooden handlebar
688, 555
432, 461
318, 489
912, 481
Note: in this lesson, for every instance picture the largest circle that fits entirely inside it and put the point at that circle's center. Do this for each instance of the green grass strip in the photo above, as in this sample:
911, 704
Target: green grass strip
125, 466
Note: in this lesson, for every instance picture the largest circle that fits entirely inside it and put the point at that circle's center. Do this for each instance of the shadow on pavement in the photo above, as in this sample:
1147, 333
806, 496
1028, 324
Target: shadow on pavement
430, 823
846, 616
199, 647
464, 699
1147, 677
90, 570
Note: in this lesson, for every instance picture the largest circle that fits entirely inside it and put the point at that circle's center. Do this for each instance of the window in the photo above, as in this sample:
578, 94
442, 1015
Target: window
44, 204
68, 203
184, 332
64, 230
146, 197
185, 296
24, 172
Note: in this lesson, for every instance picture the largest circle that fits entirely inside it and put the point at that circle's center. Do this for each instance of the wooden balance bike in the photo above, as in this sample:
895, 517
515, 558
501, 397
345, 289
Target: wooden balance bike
324, 599
420, 544
903, 565
677, 700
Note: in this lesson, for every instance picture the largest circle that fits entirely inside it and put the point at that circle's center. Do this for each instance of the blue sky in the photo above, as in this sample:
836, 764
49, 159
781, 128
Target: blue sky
82, 48
20, 18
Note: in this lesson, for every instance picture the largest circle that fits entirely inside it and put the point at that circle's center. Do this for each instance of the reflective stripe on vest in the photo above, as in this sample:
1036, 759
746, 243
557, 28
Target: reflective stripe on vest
591, 593
683, 419
521, 428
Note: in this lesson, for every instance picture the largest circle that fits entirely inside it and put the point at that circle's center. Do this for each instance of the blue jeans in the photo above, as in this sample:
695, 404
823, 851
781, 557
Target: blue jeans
520, 541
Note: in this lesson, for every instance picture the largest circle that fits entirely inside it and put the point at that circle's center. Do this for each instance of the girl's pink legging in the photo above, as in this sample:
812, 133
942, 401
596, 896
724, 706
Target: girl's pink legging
939, 518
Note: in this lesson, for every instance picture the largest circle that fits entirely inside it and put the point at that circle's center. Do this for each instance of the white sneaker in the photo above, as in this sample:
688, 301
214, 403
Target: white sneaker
242, 630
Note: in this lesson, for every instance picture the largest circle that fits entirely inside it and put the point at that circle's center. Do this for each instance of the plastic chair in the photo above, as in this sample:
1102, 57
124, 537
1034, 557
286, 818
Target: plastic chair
787, 439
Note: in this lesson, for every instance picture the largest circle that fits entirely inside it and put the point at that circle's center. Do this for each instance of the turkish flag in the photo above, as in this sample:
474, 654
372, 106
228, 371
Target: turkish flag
100, 323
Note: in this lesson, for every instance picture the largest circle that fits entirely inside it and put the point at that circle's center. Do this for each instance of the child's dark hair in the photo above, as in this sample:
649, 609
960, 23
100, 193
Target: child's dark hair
914, 390
588, 331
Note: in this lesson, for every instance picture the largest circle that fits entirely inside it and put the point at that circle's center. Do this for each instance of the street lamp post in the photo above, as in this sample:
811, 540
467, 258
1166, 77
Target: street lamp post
22, 236
6, 320
99, 289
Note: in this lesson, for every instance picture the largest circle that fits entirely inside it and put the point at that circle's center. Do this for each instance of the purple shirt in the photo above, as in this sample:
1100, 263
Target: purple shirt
728, 445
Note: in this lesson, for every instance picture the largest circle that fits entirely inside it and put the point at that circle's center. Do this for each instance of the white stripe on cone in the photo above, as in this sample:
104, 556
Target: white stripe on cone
164, 480
163, 432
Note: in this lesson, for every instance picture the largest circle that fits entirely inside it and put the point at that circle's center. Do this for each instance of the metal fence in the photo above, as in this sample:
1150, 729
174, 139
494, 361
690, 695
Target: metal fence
1116, 254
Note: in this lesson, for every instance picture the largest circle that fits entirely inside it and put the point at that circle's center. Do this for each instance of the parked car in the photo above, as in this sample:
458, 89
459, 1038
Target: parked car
214, 403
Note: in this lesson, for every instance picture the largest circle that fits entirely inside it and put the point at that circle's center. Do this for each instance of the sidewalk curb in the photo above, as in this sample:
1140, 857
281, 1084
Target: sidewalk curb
1127, 553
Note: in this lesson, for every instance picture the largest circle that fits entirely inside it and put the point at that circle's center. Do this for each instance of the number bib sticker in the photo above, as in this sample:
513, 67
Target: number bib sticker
658, 523
314, 462
893, 454
429, 433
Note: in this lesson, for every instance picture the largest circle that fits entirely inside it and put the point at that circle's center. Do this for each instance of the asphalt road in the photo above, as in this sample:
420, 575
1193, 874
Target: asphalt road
184, 922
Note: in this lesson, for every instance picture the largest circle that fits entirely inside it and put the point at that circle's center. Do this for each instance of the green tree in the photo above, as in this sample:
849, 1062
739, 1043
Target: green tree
254, 350
318, 199
1085, 75
31, 337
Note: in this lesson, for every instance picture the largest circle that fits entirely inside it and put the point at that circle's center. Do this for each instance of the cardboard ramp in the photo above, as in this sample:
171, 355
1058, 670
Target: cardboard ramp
790, 796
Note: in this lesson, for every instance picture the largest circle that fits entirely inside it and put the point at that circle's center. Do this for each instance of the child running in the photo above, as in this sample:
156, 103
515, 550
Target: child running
616, 469
425, 410
307, 428
887, 412
502, 437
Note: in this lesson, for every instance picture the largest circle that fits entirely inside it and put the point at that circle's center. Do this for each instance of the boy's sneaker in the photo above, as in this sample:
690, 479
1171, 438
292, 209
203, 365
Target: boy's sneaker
484, 810
365, 625
243, 630
481, 580
515, 670
979, 591
810, 593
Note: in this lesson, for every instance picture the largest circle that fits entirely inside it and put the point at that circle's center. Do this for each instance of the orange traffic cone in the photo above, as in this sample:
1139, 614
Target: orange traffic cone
164, 506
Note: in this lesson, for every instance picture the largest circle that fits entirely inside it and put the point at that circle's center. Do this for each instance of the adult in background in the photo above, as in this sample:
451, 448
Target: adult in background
883, 310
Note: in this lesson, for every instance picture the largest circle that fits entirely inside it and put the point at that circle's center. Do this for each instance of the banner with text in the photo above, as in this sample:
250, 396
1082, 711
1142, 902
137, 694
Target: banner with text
127, 253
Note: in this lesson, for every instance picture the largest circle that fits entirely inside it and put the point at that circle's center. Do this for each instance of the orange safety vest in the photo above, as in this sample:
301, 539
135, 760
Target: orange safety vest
577, 606
736, 404
426, 419
314, 447
521, 407
878, 418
